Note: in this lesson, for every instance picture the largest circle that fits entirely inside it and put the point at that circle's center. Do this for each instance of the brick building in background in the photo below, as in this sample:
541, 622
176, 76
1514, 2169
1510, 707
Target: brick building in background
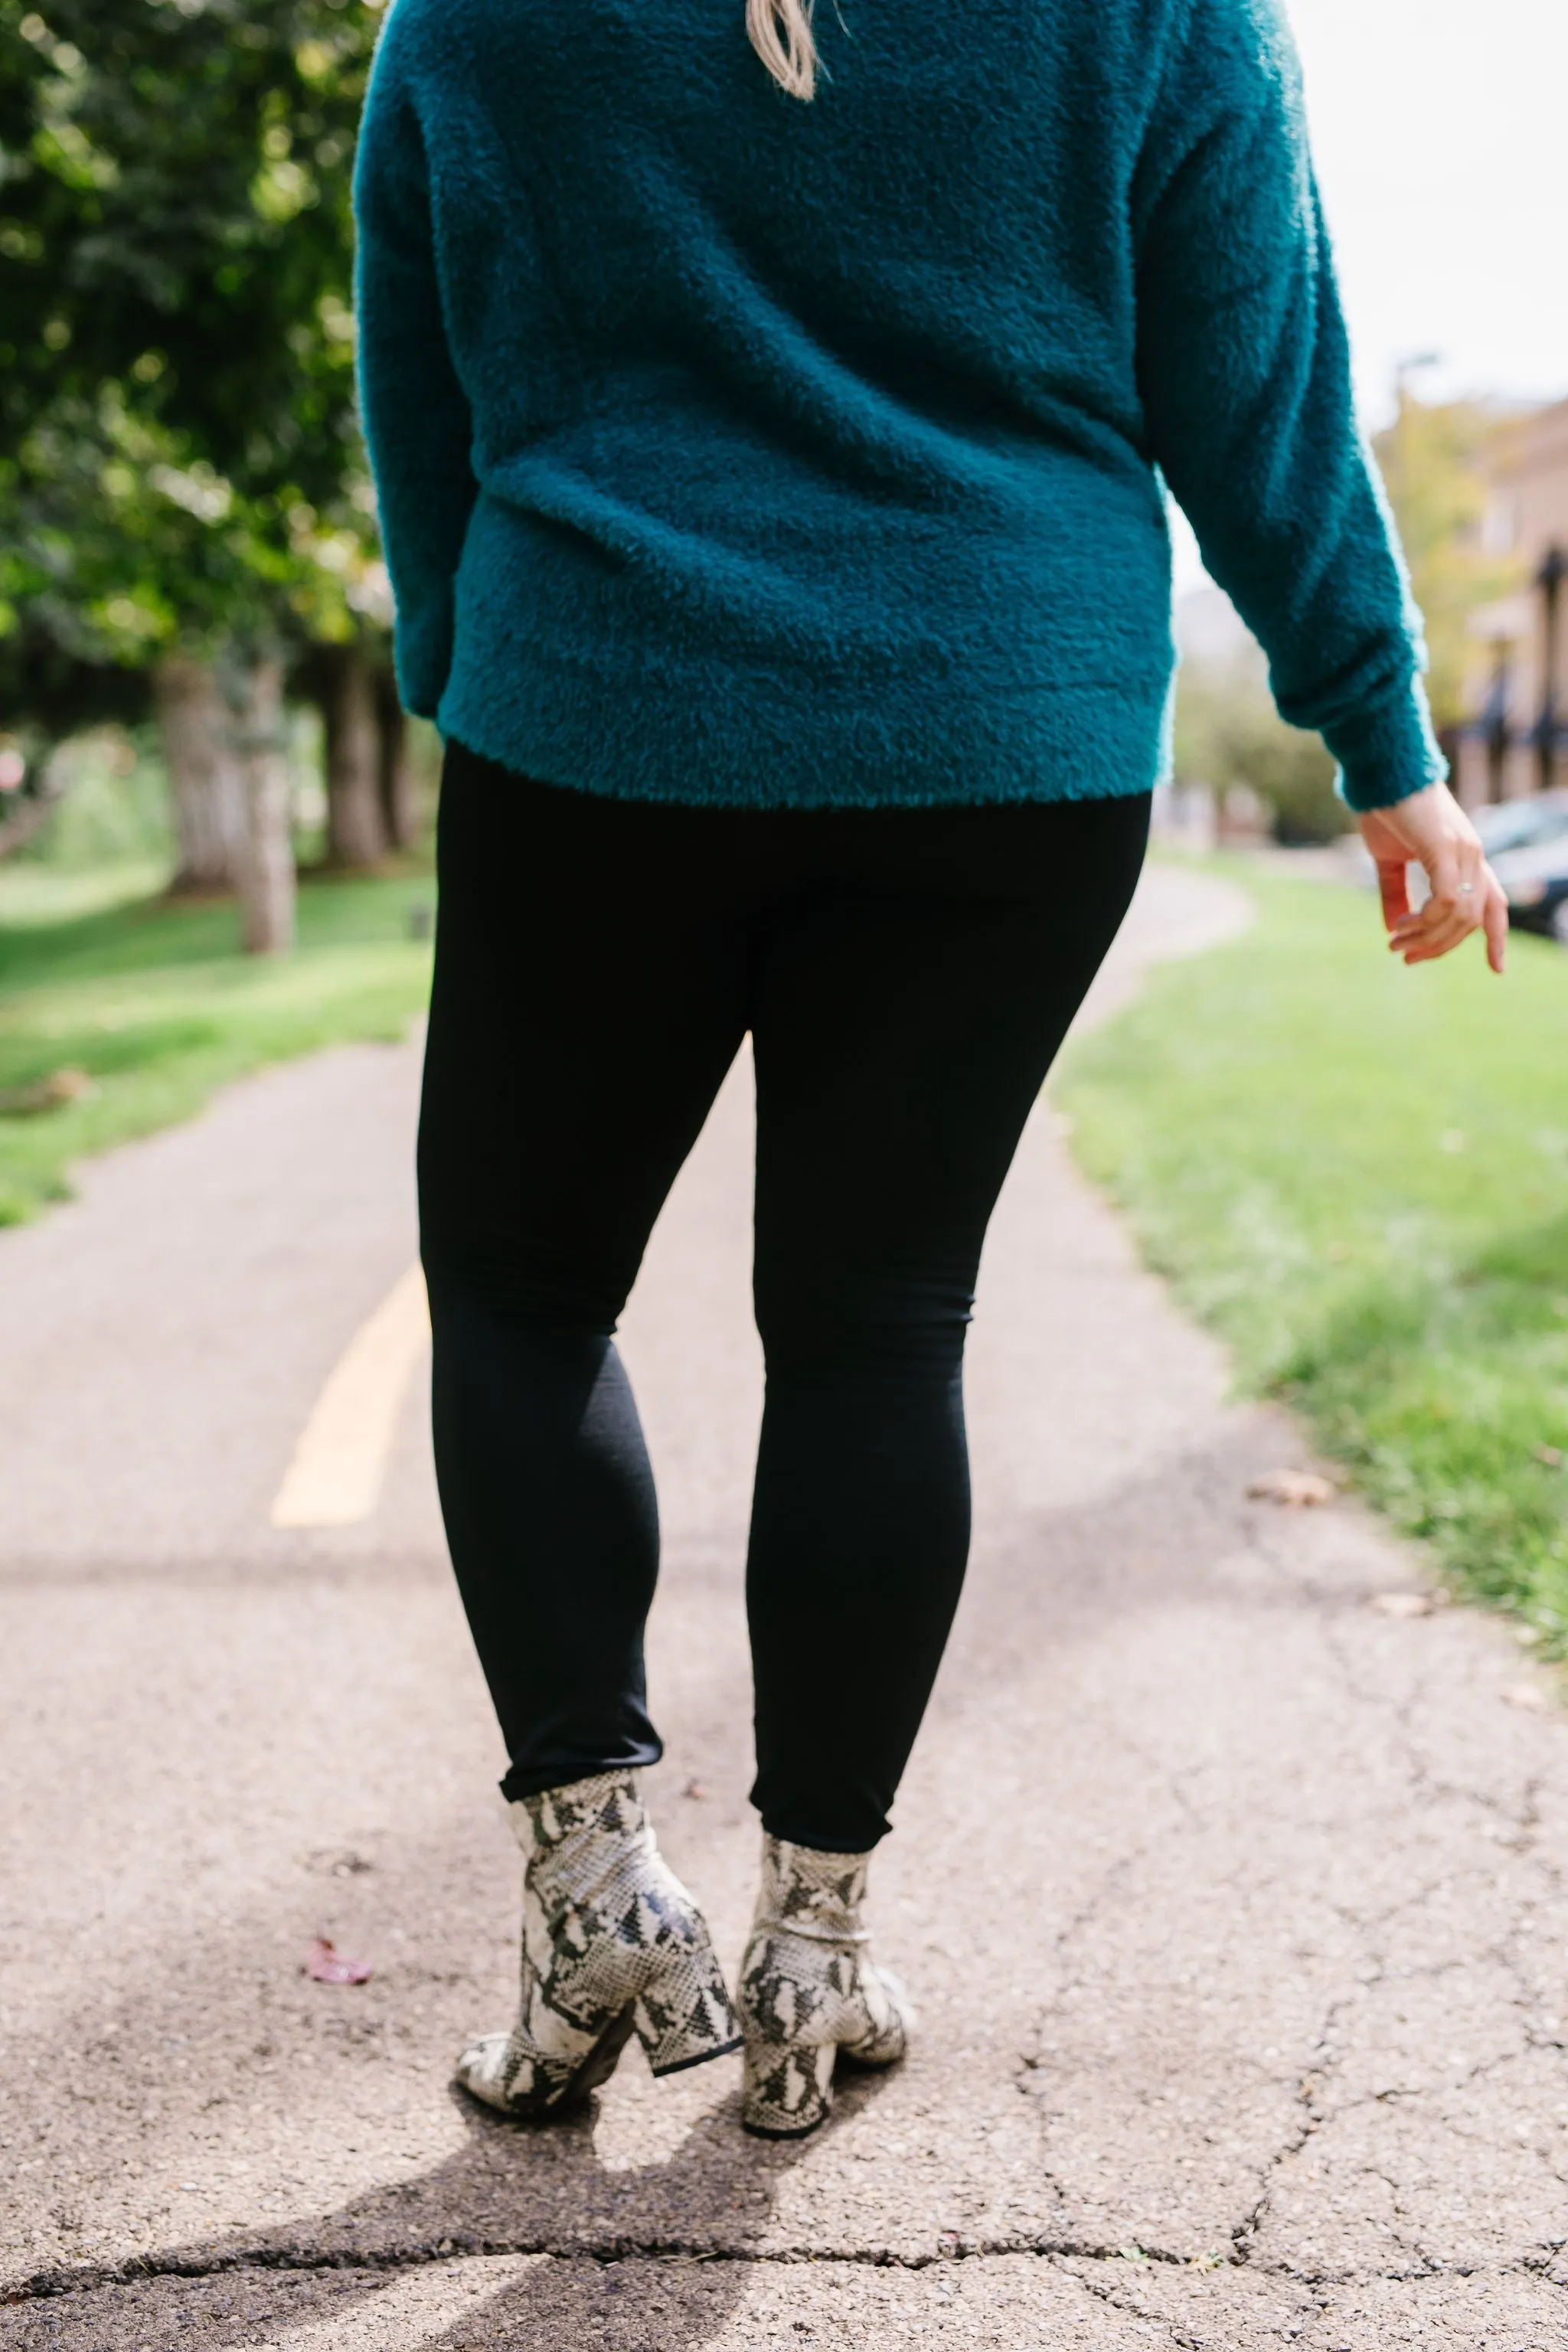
1514, 740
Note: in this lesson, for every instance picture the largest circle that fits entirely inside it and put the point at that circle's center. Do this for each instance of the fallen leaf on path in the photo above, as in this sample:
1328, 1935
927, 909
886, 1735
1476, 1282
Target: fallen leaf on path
329, 1966
1403, 1604
59, 1088
1298, 1490
1528, 1695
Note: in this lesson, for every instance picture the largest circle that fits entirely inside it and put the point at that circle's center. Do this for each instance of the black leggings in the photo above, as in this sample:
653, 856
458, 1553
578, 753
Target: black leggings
907, 977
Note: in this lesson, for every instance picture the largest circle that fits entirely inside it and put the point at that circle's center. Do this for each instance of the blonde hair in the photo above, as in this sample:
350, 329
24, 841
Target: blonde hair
782, 36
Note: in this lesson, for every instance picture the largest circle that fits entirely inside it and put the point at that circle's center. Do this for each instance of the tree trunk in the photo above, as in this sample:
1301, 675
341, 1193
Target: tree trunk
194, 723
399, 799
357, 829
265, 865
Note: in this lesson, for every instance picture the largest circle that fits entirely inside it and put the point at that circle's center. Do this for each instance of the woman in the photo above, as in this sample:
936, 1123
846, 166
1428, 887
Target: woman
769, 436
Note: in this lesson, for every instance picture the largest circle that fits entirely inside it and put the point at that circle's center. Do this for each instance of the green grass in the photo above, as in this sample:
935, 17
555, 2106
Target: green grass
154, 1002
1358, 1175
34, 896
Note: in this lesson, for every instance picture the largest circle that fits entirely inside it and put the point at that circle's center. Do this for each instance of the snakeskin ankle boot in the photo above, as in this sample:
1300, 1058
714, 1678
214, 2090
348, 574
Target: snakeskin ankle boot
809, 1996
611, 1946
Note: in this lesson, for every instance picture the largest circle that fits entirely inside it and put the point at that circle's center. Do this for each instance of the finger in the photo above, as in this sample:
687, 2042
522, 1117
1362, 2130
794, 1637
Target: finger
1433, 952
1496, 920
1447, 932
1460, 914
1458, 880
1393, 889
1426, 950
1436, 931
1441, 940
1443, 873
1454, 896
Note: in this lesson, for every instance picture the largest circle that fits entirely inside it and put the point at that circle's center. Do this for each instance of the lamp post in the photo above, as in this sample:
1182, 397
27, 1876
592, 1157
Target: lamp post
1549, 579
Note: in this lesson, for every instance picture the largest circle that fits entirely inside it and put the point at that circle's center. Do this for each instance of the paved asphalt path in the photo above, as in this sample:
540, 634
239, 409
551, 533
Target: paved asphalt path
1233, 1902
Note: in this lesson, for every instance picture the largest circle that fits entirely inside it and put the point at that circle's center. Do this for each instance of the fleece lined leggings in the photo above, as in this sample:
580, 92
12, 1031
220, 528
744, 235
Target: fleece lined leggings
906, 977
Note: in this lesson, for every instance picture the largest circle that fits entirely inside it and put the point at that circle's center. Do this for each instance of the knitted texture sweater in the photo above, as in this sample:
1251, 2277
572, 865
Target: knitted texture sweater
739, 451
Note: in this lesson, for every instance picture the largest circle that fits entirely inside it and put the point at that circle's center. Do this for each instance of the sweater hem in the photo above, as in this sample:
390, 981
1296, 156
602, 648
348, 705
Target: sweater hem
712, 741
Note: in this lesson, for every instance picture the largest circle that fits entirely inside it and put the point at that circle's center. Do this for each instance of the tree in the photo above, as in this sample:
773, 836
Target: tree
177, 209
1228, 732
1434, 462
121, 560
180, 466
210, 816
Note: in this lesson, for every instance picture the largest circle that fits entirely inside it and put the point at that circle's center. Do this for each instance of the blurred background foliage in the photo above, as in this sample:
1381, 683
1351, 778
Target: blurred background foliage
1229, 737
1433, 458
187, 531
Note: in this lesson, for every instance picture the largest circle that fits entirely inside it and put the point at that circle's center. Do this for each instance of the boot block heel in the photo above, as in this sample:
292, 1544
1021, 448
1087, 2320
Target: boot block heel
683, 2014
789, 2088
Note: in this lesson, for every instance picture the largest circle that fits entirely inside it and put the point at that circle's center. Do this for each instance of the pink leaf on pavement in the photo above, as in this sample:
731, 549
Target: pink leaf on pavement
329, 1966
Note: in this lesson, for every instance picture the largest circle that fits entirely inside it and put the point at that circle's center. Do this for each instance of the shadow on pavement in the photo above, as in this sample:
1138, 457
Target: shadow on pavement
651, 2255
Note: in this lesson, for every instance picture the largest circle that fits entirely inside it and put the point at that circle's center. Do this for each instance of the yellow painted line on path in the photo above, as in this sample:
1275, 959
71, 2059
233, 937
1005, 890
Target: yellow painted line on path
340, 1460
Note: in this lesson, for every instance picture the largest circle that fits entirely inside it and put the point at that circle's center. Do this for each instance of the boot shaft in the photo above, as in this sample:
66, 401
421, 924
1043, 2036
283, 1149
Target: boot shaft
807, 1892
575, 1838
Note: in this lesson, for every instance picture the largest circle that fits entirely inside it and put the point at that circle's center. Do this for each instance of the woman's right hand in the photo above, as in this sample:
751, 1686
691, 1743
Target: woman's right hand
1465, 894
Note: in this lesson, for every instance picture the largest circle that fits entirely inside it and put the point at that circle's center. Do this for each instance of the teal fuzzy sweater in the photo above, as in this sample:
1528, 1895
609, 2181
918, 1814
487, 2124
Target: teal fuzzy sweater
746, 451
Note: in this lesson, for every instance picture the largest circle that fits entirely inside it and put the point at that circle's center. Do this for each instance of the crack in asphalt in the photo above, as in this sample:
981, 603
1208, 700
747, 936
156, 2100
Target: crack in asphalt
1115, 2299
1523, 1818
1314, 2105
1111, 1877
469, 2246
1378, 1968
1311, 2116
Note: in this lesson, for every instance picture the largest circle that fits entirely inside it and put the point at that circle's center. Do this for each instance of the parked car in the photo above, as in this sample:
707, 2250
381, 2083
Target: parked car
1522, 824
1535, 877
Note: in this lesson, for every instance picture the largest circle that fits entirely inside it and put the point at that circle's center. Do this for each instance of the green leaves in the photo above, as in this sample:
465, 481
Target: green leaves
1433, 461
179, 454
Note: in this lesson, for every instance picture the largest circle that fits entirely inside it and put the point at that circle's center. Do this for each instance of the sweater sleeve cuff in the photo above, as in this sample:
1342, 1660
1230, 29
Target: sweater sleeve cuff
423, 655
1388, 753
